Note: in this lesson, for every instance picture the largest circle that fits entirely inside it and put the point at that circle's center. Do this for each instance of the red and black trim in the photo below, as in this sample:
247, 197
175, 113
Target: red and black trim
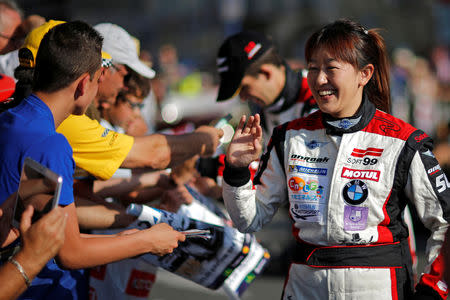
354, 256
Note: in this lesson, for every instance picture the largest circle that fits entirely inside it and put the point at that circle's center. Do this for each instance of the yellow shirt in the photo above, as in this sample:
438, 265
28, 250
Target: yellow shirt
98, 150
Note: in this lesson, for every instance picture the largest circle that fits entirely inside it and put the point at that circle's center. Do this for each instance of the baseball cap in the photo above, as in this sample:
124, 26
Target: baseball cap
120, 45
7, 87
28, 52
235, 55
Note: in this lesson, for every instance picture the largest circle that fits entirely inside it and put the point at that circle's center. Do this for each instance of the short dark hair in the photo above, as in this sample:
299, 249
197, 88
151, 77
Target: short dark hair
66, 52
271, 57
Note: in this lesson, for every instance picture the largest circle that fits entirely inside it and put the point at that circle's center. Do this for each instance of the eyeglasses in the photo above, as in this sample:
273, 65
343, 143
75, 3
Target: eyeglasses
134, 105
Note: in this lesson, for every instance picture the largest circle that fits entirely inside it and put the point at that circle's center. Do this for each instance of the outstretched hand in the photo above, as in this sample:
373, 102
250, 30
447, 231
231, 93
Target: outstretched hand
210, 139
245, 146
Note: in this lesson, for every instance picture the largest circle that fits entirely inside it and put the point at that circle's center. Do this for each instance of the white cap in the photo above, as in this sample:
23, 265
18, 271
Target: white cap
119, 44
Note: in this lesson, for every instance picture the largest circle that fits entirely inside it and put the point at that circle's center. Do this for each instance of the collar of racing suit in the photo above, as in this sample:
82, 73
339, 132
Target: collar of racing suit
358, 121
289, 94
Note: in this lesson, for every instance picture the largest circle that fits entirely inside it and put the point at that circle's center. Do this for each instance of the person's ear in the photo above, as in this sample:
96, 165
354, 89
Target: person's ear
82, 84
104, 105
365, 74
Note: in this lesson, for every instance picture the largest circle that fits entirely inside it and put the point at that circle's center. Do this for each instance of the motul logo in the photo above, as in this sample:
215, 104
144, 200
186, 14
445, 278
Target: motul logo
360, 174
369, 151
251, 49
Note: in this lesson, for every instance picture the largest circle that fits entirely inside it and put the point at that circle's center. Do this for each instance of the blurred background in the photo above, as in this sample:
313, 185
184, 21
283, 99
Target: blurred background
180, 39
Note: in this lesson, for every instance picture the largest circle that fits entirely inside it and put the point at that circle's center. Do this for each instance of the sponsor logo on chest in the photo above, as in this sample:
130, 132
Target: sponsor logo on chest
355, 192
306, 170
362, 156
361, 174
309, 159
367, 152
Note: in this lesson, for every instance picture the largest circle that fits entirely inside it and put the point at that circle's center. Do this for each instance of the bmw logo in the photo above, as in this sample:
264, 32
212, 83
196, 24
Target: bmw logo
355, 192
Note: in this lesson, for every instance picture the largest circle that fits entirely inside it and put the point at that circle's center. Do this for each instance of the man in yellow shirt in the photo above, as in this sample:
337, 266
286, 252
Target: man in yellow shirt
101, 151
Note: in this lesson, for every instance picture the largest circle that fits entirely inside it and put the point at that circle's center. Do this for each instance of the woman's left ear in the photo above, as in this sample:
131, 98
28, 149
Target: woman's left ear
365, 74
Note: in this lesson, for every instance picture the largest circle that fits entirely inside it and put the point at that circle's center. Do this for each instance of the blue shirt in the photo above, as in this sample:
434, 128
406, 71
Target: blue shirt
28, 130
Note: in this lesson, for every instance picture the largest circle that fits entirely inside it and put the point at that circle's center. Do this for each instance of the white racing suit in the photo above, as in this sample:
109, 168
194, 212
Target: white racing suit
347, 182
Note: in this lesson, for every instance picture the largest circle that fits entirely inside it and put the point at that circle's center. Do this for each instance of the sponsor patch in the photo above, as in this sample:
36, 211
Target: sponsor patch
355, 192
420, 137
344, 123
105, 133
315, 144
366, 161
312, 194
360, 174
434, 170
296, 184
355, 218
305, 211
309, 159
251, 49
306, 170
140, 283
365, 152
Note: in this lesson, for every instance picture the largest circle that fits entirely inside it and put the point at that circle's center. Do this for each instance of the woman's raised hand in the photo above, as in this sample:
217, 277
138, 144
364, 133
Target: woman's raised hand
246, 144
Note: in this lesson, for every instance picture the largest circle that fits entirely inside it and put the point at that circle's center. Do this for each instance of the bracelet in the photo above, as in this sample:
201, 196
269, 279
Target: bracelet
21, 270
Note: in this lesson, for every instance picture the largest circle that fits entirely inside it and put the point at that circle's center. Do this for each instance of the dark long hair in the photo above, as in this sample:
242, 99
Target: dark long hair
349, 41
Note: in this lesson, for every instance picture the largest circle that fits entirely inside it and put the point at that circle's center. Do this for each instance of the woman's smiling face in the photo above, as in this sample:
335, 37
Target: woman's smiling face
336, 85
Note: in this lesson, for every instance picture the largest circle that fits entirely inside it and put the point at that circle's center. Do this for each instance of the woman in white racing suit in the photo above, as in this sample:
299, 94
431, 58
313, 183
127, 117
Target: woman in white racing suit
347, 172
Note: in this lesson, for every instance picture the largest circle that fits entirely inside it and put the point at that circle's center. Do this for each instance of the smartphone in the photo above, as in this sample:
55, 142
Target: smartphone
39, 187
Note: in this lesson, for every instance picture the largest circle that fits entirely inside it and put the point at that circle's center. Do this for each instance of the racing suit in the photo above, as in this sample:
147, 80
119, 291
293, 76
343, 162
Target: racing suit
347, 182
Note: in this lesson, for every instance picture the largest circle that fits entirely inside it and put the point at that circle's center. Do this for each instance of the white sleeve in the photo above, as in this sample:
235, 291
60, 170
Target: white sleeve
252, 207
428, 189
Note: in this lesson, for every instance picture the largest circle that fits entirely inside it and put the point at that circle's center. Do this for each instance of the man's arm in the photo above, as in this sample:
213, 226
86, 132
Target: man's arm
104, 215
82, 252
116, 187
160, 151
